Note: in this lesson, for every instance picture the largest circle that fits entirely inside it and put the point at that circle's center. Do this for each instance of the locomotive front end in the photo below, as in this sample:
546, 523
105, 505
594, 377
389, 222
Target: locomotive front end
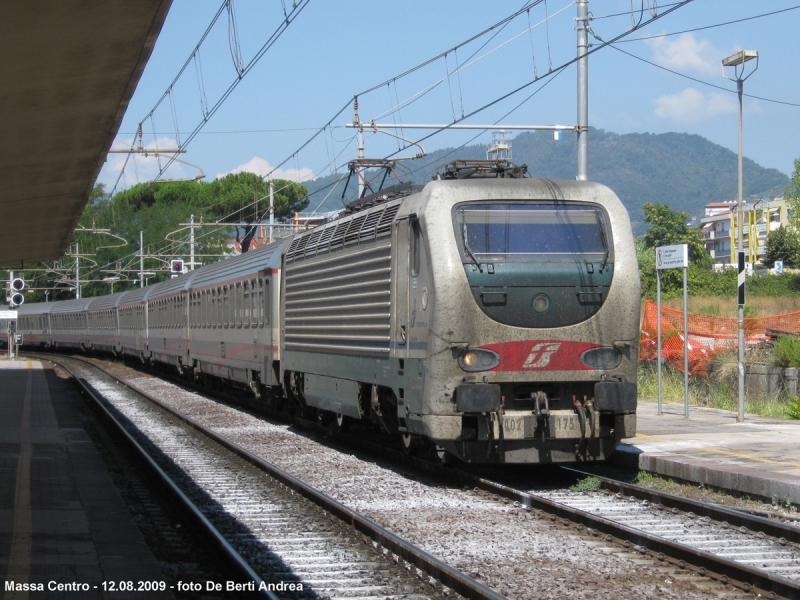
540, 315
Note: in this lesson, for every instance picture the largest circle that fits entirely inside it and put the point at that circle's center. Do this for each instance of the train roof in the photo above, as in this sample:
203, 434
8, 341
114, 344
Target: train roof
71, 306
365, 225
37, 308
169, 287
134, 296
101, 302
265, 258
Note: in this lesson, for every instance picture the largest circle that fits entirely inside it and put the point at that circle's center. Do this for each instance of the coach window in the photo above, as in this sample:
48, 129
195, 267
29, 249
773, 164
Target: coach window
254, 303
246, 303
260, 306
226, 311
218, 309
239, 304
267, 301
217, 316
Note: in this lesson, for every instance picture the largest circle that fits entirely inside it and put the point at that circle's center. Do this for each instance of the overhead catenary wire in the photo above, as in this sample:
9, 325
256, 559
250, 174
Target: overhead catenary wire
500, 24
564, 65
695, 79
742, 20
242, 69
327, 127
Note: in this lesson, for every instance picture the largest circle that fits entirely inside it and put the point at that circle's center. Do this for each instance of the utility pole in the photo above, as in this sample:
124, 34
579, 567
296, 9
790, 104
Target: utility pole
141, 259
583, 90
77, 273
271, 209
191, 243
357, 119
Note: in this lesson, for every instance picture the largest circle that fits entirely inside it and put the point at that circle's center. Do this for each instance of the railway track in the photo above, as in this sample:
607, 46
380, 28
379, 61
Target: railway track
734, 551
280, 535
751, 553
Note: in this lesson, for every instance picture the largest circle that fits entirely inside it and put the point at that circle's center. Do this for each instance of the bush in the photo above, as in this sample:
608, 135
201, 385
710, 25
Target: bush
787, 352
793, 409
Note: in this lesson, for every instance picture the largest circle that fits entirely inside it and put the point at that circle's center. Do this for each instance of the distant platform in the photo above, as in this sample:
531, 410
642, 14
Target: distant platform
759, 458
61, 518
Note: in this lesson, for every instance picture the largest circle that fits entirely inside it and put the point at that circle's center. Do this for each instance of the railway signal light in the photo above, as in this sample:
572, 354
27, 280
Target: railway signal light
176, 267
17, 285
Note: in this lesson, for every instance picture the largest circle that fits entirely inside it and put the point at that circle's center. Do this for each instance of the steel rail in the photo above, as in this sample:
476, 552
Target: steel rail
721, 569
452, 578
732, 516
195, 514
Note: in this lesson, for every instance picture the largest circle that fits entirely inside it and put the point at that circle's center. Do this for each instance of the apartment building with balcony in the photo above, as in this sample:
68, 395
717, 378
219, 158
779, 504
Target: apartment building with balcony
721, 228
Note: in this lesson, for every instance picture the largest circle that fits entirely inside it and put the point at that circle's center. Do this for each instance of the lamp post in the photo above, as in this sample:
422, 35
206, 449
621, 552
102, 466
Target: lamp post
737, 60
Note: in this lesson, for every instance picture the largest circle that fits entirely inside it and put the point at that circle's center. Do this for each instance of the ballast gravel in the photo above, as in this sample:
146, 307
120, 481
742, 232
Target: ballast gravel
503, 546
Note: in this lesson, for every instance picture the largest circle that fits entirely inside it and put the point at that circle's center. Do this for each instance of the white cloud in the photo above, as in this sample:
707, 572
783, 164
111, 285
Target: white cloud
691, 106
686, 53
259, 166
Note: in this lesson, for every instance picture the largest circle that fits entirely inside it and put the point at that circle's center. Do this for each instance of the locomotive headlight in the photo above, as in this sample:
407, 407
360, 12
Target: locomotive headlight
478, 359
605, 357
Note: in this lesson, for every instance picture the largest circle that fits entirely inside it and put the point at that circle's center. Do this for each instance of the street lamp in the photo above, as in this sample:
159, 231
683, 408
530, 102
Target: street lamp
738, 60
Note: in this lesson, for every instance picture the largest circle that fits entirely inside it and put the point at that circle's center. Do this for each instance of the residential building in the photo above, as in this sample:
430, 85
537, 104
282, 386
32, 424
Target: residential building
720, 228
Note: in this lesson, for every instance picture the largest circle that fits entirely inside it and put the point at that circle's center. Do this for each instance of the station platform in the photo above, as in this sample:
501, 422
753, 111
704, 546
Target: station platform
62, 521
759, 457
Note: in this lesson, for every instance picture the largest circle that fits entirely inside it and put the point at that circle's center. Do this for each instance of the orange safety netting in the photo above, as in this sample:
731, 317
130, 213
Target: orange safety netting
707, 335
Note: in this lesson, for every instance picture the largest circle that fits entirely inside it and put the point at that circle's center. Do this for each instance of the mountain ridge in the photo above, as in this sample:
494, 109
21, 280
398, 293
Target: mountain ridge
684, 170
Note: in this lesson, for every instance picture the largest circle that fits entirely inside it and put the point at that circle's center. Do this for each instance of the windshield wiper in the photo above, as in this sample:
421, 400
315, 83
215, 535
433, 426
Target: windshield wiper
469, 252
602, 237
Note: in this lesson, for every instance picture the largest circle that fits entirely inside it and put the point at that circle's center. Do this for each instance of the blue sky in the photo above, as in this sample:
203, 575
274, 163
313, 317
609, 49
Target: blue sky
335, 49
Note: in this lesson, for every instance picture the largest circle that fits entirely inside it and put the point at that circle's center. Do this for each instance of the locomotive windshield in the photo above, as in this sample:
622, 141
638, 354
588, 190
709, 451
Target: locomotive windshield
501, 232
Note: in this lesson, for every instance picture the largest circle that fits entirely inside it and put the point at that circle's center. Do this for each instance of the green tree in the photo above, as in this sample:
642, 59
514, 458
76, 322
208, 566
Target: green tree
792, 195
782, 244
669, 227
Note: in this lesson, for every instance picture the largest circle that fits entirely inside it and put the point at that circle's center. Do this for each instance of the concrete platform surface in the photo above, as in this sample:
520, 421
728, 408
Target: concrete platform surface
62, 521
760, 457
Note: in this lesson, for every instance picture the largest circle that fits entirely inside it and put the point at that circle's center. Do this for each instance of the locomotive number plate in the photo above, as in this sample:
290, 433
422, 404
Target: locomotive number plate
565, 426
562, 425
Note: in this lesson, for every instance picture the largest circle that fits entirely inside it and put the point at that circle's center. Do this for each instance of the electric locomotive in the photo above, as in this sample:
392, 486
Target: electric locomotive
494, 315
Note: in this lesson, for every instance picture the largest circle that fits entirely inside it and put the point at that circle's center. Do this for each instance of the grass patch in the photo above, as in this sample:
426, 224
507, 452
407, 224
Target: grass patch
722, 306
587, 484
720, 390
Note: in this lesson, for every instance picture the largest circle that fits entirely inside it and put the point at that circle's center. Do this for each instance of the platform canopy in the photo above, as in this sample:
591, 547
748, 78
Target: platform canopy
68, 69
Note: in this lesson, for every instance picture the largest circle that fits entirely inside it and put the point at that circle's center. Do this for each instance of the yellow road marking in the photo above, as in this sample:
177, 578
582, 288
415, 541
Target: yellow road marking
19, 563
726, 452
754, 458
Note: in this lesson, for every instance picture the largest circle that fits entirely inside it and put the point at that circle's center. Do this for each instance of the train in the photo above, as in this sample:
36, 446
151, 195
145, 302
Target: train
487, 316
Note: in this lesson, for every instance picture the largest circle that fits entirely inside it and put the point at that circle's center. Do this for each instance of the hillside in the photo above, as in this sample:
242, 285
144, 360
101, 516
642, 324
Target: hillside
686, 171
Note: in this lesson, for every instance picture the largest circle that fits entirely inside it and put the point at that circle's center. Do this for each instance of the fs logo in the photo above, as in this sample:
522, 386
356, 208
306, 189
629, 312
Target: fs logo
540, 355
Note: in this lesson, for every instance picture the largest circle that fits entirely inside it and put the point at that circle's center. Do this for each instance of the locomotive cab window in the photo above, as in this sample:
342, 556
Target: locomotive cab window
502, 232
538, 264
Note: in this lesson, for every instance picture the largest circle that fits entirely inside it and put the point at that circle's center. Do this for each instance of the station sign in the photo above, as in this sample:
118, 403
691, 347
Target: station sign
672, 257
